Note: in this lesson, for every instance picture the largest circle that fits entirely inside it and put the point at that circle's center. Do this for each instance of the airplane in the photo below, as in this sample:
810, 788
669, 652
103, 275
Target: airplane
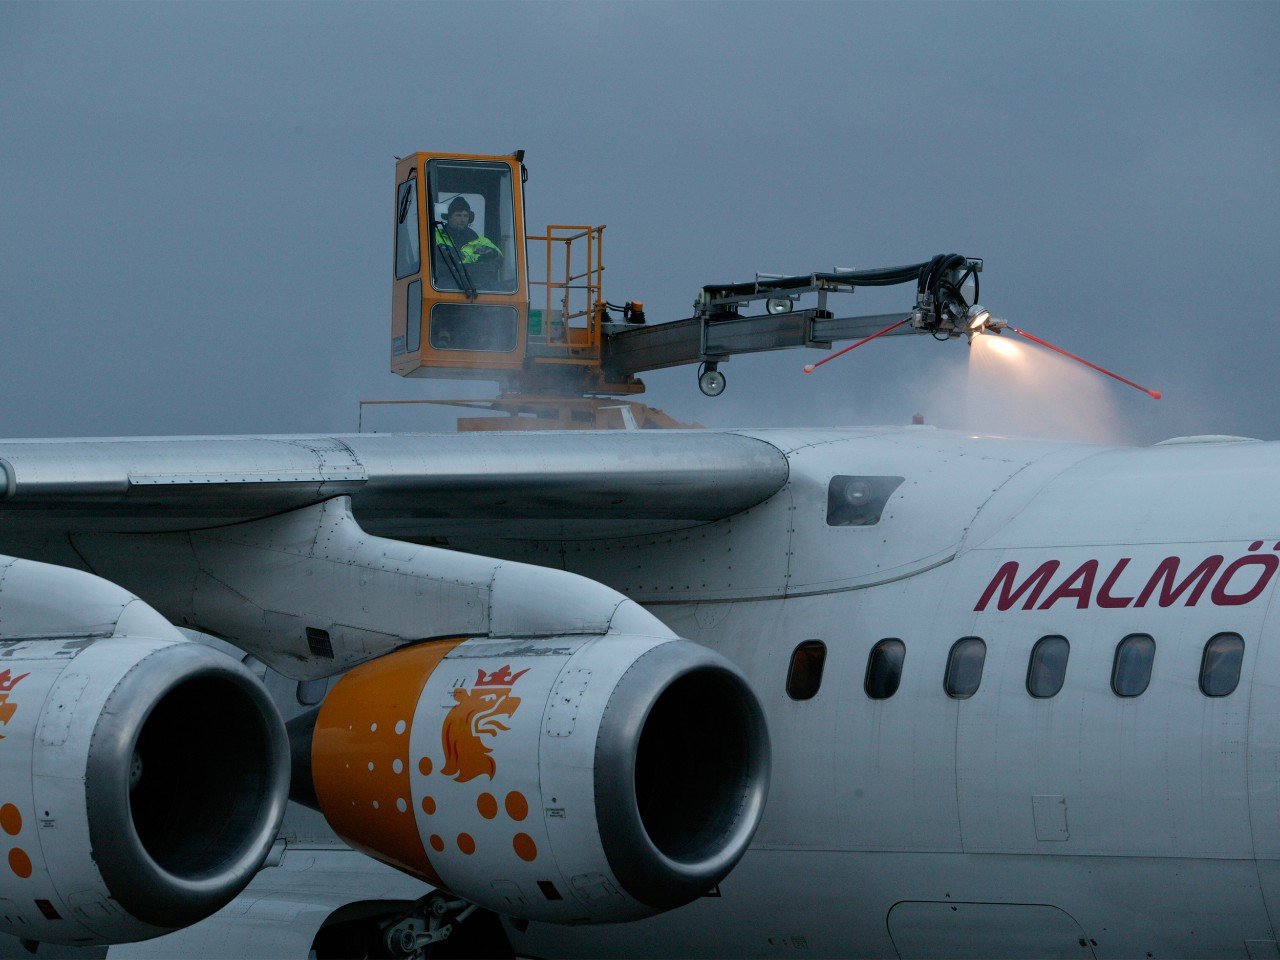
860, 692
856, 692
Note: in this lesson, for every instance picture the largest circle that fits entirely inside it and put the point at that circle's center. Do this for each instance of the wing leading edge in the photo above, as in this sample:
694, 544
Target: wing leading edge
417, 485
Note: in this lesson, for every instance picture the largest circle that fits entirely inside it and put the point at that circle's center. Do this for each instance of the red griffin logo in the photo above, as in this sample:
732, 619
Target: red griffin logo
477, 714
7, 709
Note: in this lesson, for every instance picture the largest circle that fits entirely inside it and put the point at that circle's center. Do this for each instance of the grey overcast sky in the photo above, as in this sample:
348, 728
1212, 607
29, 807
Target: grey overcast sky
195, 220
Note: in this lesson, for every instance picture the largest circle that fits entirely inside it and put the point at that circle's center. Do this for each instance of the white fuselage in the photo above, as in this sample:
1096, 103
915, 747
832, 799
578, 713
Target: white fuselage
1002, 824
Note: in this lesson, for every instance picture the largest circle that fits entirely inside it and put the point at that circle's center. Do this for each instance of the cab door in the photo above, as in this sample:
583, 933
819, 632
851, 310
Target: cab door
406, 302
460, 284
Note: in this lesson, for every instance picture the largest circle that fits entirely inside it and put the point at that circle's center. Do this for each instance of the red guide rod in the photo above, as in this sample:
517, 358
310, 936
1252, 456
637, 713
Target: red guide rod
1154, 394
810, 367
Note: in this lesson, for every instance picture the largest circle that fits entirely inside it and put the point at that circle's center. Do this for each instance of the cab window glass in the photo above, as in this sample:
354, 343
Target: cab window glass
884, 669
408, 251
805, 675
1220, 666
413, 317
1048, 666
483, 327
858, 501
473, 228
1131, 671
964, 667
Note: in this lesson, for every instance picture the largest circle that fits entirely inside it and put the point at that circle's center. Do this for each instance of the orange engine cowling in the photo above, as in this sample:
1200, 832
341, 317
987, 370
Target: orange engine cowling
568, 779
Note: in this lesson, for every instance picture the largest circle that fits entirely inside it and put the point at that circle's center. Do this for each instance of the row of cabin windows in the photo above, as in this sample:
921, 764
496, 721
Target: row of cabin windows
1046, 667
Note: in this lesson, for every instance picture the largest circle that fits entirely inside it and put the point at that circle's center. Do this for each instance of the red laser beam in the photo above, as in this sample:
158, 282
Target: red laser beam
1154, 394
810, 367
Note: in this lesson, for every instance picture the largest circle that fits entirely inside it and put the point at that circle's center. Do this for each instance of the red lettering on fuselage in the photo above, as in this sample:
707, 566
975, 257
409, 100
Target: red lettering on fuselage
1241, 581
1167, 572
1105, 599
1004, 580
1079, 585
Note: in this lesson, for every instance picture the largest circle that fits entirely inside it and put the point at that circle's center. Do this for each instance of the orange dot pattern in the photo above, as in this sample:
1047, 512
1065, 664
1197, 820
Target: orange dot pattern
517, 806
20, 863
360, 756
11, 823
524, 846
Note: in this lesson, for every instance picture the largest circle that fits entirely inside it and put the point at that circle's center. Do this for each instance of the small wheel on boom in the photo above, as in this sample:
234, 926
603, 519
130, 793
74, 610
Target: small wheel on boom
710, 380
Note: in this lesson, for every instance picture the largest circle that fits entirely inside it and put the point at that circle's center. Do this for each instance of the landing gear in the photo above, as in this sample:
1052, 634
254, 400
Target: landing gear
422, 932
710, 380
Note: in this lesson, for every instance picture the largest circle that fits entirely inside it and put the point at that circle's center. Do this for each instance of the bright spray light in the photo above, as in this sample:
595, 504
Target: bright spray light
1013, 388
1002, 347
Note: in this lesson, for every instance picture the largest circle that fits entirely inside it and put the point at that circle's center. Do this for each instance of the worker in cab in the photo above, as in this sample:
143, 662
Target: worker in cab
457, 243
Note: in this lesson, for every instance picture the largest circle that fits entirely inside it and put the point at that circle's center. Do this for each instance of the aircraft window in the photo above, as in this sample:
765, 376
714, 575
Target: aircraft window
408, 251
964, 667
311, 692
858, 501
475, 249
1048, 666
884, 669
1220, 668
1131, 671
805, 675
490, 328
413, 317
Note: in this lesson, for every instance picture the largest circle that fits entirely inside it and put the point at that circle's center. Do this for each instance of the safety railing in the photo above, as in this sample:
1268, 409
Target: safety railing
578, 294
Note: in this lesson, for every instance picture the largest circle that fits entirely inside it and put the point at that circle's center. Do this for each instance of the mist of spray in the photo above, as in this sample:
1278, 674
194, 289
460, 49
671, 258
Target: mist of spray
1016, 389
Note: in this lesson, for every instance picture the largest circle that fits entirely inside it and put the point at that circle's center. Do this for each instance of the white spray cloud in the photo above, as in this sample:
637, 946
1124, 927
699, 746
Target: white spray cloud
1019, 389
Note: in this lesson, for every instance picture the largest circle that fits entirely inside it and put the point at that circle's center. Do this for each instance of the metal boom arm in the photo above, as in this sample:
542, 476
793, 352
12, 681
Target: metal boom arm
718, 330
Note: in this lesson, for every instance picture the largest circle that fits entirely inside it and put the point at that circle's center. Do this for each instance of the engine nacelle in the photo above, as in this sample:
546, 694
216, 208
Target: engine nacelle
143, 777
566, 779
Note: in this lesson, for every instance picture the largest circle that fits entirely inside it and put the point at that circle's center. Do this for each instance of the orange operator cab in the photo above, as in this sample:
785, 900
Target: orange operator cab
461, 294
461, 306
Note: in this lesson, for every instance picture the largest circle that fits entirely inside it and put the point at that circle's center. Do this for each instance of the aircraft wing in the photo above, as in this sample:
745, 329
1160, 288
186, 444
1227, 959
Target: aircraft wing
166, 764
516, 485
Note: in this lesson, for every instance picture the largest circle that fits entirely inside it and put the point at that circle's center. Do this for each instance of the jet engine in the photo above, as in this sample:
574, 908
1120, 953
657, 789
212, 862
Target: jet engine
566, 779
143, 777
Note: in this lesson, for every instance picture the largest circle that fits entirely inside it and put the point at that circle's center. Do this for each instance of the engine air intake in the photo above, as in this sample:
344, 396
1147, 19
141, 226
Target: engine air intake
681, 775
186, 784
